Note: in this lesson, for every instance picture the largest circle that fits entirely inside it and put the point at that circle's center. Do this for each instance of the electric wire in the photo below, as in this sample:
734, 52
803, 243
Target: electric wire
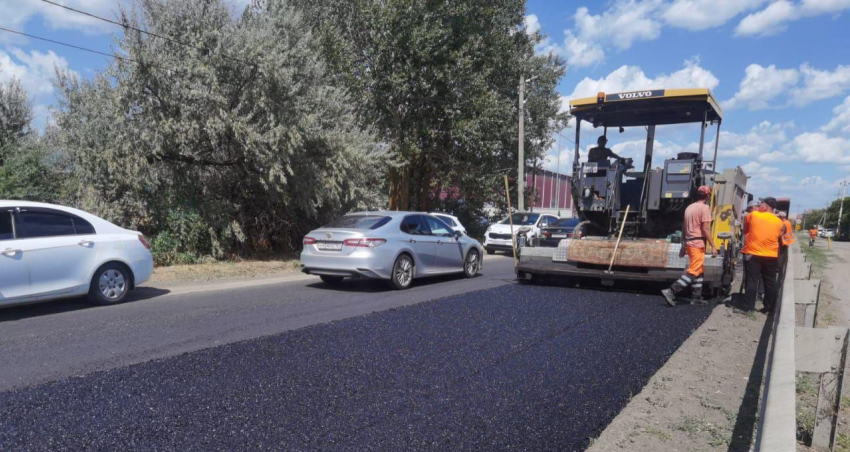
166, 38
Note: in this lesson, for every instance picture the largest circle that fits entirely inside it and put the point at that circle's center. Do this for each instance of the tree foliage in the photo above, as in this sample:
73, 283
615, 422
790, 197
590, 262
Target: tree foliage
439, 80
237, 142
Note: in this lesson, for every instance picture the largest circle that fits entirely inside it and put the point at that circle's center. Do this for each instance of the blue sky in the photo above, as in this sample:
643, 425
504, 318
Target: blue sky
780, 68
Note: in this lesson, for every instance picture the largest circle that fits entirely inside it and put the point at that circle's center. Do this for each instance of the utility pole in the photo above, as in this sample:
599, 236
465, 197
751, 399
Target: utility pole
520, 188
841, 209
520, 184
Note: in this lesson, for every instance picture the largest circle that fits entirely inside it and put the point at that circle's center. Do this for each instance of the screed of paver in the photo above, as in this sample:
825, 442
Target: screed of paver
516, 367
706, 396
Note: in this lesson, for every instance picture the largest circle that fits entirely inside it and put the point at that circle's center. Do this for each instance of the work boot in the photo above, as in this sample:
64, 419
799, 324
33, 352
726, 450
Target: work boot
669, 296
698, 301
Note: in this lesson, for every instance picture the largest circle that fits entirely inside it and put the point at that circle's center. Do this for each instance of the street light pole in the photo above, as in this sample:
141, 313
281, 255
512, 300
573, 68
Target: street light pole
521, 165
841, 209
520, 185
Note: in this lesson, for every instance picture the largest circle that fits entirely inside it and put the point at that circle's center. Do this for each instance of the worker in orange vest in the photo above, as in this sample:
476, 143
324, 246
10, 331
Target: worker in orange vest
813, 234
764, 231
787, 240
696, 235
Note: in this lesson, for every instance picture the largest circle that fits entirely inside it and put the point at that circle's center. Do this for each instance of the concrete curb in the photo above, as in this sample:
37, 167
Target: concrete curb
778, 426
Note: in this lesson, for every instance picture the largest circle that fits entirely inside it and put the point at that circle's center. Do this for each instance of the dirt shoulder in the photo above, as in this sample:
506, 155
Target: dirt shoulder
706, 396
831, 266
229, 270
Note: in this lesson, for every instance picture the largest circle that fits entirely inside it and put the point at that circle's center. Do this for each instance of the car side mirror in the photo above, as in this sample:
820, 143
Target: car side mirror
458, 235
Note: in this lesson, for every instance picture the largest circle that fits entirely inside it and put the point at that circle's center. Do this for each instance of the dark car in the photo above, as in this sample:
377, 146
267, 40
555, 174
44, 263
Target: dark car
562, 229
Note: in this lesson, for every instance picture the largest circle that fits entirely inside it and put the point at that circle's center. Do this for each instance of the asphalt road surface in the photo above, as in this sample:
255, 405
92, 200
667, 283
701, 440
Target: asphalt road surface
41, 343
493, 367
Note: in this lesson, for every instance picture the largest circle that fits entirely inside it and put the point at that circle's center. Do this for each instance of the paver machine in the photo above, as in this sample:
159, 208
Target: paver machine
632, 216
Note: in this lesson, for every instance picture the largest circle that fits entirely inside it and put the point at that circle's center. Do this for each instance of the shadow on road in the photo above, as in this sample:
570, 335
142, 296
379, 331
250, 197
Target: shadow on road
745, 423
71, 304
375, 285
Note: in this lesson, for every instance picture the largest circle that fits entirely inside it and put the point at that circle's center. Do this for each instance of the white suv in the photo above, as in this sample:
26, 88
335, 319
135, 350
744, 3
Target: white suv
498, 236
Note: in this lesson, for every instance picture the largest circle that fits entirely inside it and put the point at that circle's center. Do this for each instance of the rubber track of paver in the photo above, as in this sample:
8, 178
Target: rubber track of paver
515, 367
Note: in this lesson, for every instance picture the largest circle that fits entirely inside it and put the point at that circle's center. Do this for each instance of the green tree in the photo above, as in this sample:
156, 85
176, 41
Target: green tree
240, 141
15, 112
439, 80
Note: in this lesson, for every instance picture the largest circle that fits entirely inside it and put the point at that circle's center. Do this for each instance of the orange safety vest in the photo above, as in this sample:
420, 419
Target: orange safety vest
788, 238
764, 231
813, 233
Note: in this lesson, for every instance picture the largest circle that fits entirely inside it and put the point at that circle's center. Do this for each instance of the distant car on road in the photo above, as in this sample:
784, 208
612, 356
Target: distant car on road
498, 236
828, 233
450, 220
393, 246
49, 252
560, 230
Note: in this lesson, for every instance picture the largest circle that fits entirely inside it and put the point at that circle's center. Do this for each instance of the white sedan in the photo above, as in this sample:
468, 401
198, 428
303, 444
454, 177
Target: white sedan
49, 252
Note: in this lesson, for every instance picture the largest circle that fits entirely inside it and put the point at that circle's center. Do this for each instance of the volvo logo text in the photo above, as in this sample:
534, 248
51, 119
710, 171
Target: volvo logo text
635, 95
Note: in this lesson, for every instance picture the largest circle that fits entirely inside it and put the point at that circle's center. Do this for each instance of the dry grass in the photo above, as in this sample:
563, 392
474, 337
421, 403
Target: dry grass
225, 270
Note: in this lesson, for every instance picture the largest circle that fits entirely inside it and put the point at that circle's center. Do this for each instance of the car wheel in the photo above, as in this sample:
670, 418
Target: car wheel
109, 285
491, 251
471, 264
331, 280
402, 276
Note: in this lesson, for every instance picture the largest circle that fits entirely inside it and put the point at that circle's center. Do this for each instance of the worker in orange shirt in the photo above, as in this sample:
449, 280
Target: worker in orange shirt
696, 234
788, 239
813, 234
764, 231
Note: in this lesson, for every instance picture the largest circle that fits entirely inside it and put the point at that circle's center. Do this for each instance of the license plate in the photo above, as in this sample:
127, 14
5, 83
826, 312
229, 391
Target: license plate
559, 236
329, 246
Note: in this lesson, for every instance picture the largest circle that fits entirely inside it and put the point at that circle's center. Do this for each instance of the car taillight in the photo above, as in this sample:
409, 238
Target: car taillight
144, 241
364, 243
569, 235
547, 234
309, 240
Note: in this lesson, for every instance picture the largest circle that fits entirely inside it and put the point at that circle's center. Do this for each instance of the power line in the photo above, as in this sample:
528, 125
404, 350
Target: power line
172, 40
68, 45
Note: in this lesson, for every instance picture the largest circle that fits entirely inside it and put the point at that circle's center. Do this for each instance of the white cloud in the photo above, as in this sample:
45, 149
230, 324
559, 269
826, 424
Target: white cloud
762, 86
699, 15
769, 21
632, 78
817, 147
759, 140
36, 72
819, 84
618, 27
532, 24
841, 121
15, 14
777, 15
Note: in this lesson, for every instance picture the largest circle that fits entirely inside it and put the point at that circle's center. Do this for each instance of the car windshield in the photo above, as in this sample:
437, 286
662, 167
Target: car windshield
522, 219
358, 222
565, 223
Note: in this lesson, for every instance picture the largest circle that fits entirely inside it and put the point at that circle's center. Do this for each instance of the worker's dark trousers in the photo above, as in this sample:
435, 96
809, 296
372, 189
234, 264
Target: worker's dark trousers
783, 265
763, 270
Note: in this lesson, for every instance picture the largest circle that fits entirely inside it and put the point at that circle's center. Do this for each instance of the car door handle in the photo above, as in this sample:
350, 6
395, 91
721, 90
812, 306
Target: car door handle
86, 243
439, 242
11, 252
412, 241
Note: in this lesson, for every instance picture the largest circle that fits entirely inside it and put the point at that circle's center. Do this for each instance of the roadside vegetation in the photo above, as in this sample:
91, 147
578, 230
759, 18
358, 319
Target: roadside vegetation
271, 121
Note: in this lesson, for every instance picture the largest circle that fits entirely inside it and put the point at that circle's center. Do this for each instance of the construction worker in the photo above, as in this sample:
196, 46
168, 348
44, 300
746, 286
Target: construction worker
763, 231
601, 154
813, 234
788, 239
696, 234
751, 206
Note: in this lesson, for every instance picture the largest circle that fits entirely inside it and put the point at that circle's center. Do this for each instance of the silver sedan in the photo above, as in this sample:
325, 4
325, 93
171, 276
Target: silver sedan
394, 246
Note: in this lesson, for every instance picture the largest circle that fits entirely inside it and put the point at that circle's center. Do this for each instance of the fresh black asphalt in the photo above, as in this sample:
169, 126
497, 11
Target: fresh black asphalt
509, 368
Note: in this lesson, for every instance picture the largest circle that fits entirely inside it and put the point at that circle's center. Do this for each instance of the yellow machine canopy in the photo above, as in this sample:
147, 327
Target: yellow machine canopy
648, 107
